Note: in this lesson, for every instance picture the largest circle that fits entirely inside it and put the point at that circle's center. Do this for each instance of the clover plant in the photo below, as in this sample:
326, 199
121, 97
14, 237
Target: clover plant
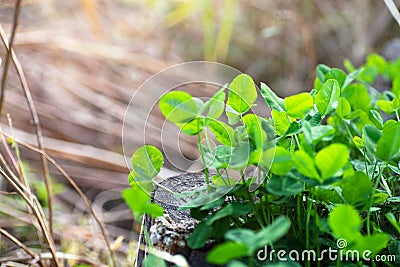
326, 167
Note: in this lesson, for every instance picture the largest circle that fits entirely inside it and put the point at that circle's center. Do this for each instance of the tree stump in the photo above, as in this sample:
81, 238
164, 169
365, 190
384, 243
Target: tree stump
169, 232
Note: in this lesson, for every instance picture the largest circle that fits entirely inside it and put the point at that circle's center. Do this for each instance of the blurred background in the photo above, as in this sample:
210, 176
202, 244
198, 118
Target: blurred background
85, 59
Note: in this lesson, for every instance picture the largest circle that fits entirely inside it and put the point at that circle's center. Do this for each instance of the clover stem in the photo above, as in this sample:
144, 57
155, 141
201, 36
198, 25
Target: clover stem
299, 197
265, 209
317, 243
205, 169
163, 187
206, 137
364, 151
348, 132
251, 263
365, 160
147, 237
309, 207
297, 141
251, 201
378, 179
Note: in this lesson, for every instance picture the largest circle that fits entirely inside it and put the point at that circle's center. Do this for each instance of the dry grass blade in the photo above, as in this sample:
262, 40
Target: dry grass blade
18, 163
67, 256
35, 119
8, 55
19, 174
17, 242
393, 10
178, 260
78, 190
85, 154
12, 261
24, 191
33, 203
140, 241
13, 162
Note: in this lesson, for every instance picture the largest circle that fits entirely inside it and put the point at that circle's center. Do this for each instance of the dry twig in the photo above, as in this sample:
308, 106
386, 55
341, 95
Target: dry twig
8, 55
77, 189
35, 119
20, 244
32, 203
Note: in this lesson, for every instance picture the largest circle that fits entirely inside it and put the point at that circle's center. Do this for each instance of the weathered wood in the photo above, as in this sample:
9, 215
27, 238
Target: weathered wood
169, 233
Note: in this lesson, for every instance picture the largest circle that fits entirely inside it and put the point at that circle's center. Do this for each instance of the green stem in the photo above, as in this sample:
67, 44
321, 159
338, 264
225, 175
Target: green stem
348, 132
378, 179
373, 171
317, 243
205, 169
297, 141
268, 210
147, 237
163, 187
265, 211
251, 263
338, 263
291, 145
309, 207
299, 197
206, 137
365, 160
250, 199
